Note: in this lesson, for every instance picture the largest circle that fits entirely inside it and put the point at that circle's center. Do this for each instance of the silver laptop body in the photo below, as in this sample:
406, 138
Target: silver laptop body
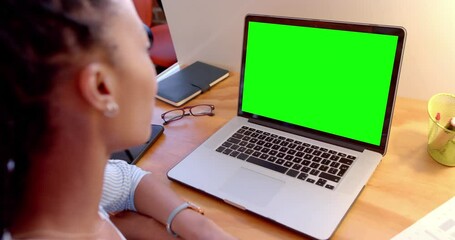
318, 97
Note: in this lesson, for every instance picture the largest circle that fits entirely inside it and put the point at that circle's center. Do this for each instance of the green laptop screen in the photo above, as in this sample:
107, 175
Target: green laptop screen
328, 80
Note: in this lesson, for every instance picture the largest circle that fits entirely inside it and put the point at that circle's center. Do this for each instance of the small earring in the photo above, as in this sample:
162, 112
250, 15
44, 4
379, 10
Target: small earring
11, 165
112, 109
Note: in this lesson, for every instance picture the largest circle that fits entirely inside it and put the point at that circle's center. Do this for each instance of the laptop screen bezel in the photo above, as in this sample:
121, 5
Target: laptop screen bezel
347, 26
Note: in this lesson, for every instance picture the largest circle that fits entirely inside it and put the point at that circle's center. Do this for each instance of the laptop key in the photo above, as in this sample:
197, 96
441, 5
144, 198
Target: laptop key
242, 156
314, 165
333, 170
314, 172
273, 152
237, 135
283, 149
246, 139
317, 153
235, 146
234, 154
326, 162
288, 164
346, 161
233, 140
335, 164
260, 142
302, 176
268, 165
329, 177
306, 162
265, 150
341, 173
292, 145
227, 151
292, 173
321, 182
280, 161
300, 148
291, 152
289, 157
297, 166
325, 155
343, 169
342, 154
276, 147
323, 168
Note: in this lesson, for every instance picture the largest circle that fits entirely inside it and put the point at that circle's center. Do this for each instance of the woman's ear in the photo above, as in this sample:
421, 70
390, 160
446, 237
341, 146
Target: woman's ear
97, 87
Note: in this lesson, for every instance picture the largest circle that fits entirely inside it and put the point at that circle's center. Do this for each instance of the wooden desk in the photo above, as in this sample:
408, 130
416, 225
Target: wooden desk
407, 185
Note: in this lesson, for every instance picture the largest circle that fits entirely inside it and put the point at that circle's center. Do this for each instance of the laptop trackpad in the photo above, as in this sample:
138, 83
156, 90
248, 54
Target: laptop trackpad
252, 186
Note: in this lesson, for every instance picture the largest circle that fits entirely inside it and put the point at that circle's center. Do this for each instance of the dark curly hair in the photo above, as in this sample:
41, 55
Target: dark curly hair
39, 40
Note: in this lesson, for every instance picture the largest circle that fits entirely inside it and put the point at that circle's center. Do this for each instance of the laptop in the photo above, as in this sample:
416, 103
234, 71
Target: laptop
315, 106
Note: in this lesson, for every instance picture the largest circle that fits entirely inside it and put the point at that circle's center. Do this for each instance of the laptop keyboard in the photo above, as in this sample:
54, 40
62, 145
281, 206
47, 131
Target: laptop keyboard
310, 163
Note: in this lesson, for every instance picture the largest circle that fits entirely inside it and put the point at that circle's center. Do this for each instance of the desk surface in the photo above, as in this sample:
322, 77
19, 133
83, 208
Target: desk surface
407, 184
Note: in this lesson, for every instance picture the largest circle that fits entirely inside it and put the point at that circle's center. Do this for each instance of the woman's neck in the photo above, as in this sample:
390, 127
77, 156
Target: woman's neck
64, 186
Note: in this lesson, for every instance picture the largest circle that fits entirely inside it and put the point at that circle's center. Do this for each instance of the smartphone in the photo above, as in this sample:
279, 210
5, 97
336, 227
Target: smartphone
133, 154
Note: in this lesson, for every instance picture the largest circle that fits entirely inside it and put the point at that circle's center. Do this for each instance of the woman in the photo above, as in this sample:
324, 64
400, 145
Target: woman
76, 84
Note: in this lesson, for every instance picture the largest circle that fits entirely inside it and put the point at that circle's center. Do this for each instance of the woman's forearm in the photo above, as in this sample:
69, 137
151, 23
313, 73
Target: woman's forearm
154, 199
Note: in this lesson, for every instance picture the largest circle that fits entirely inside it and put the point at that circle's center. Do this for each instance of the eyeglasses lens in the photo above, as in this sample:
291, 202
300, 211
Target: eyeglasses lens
173, 115
201, 110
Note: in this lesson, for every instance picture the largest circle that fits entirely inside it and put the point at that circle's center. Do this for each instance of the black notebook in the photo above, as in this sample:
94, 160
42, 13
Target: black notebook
189, 82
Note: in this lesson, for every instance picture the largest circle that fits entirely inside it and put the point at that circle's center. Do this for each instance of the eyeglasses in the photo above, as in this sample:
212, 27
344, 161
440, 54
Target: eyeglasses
179, 113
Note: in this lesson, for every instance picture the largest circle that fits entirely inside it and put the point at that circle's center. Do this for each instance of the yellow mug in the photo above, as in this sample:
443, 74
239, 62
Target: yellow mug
441, 136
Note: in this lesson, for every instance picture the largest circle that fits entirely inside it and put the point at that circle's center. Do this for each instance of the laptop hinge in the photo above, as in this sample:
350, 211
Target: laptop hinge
308, 135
